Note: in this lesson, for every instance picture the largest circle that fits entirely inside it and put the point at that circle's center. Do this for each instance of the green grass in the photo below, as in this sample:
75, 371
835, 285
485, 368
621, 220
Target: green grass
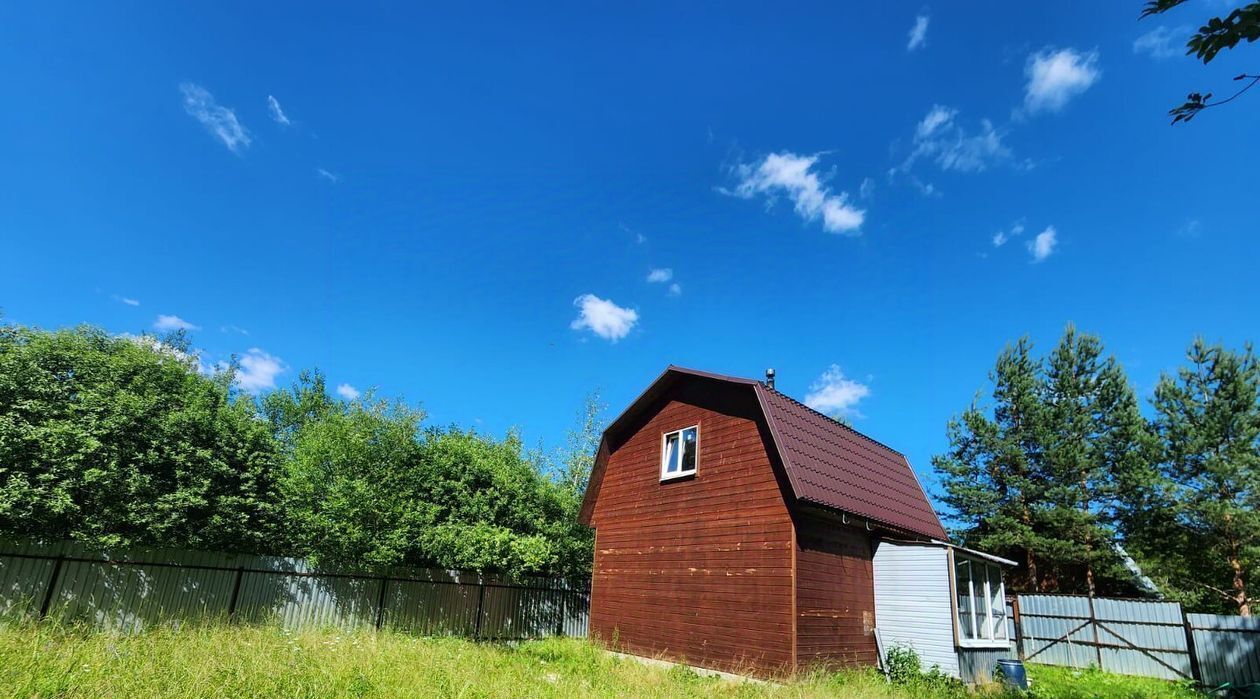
1067, 683
47, 660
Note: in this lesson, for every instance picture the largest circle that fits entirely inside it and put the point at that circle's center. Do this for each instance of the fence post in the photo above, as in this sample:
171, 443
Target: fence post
1019, 628
52, 586
380, 604
1195, 673
236, 593
564, 597
1093, 626
481, 600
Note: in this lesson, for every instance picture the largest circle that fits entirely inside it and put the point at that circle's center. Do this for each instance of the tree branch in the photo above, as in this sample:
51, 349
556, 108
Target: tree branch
1196, 102
1226, 595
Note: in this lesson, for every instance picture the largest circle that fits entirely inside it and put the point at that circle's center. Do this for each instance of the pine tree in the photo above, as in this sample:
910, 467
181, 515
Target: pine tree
989, 472
1208, 417
1039, 482
1096, 440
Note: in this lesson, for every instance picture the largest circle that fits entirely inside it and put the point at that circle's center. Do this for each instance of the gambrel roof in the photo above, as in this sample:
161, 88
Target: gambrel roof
827, 464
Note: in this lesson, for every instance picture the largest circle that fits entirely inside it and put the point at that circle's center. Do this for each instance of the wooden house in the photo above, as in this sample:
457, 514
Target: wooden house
736, 528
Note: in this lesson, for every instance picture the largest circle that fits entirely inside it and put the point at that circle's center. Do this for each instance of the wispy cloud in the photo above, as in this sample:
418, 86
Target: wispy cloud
918, 33
166, 323
126, 300
937, 120
675, 289
638, 237
277, 114
834, 394
1056, 76
1044, 244
327, 175
867, 189
233, 329
1162, 42
940, 138
258, 371
347, 391
1192, 228
603, 317
1001, 237
794, 176
220, 121
660, 275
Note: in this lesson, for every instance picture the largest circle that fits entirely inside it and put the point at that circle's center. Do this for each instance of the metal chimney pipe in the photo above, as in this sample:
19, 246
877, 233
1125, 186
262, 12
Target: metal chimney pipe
770, 378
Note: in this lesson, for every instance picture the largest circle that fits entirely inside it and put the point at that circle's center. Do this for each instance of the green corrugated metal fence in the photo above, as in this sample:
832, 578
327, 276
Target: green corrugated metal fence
126, 591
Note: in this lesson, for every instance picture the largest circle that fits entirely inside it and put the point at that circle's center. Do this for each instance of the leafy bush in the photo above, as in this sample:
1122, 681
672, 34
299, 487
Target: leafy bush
902, 663
905, 670
120, 441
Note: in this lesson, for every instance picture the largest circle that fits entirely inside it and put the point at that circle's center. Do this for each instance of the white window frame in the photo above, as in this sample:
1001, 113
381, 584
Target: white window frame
982, 617
665, 474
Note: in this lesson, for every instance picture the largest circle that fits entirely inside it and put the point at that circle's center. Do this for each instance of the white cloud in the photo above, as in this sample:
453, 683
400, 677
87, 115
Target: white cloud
937, 119
1191, 229
927, 189
940, 138
793, 175
347, 391
1000, 238
327, 175
918, 33
233, 329
1055, 77
220, 121
638, 237
1043, 245
867, 189
277, 114
660, 276
126, 300
191, 359
258, 371
603, 317
675, 289
165, 322
834, 394
1162, 42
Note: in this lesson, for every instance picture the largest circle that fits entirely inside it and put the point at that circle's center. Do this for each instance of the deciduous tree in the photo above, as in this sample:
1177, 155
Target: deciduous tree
1217, 34
120, 441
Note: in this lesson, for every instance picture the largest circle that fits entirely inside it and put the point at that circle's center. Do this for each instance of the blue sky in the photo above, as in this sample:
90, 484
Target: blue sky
463, 205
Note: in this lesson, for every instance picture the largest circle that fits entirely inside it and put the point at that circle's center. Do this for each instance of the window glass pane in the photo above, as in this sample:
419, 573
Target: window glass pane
998, 602
689, 450
962, 581
671, 454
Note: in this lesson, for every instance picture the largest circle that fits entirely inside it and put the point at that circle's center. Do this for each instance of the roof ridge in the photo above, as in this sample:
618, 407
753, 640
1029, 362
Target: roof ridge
833, 420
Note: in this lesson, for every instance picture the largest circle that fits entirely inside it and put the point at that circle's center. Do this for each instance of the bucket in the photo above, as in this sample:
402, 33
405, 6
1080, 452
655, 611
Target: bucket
1012, 674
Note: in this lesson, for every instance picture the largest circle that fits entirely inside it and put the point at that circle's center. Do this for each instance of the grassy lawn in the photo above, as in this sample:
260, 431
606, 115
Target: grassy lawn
43, 660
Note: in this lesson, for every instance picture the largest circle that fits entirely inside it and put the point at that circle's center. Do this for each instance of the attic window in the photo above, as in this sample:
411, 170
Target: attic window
678, 453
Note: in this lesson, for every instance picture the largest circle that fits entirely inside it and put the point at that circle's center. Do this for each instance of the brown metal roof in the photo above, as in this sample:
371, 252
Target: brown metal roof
827, 464
836, 466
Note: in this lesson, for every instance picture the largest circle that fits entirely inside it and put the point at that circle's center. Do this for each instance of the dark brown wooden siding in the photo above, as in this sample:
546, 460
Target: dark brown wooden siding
835, 595
696, 570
